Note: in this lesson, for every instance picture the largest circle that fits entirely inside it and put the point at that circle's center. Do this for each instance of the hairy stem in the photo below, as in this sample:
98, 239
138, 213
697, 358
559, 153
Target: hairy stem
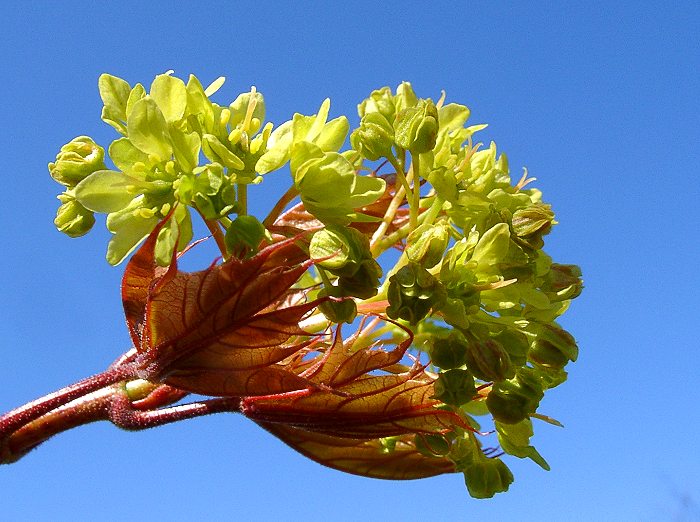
124, 415
15, 419
87, 409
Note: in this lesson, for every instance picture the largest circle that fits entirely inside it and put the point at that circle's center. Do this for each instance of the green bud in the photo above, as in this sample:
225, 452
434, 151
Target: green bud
412, 292
533, 222
427, 243
486, 477
552, 346
343, 311
563, 282
488, 359
374, 138
513, 400
339, 249
405, 97
380, 101
449, 352
344, 252
72, 218
244, 235
364, 282
455, 387
77, 160
416, 128
515, 343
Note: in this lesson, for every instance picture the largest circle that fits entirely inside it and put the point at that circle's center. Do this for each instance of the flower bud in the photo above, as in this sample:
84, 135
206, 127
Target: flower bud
76, 161
364, 282
563, 282
340, 310
515, 343
488, 360
427, 243
513, 400
449, 352
374, 138
72, 218
413, 291
533, 222
455, 387
416, 128
380, 101
486, 477
552, 346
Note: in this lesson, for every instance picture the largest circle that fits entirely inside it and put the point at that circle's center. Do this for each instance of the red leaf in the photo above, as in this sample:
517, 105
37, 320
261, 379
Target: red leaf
349, 401
219, 331
366, 457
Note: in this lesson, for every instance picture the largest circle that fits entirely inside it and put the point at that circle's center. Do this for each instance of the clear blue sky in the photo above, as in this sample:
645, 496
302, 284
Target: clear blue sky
599, 100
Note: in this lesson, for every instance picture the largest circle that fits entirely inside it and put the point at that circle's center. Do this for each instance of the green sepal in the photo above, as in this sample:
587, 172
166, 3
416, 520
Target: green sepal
138, 92
533, 222
337, 310
339, 249
129, 227
186, 148
374, 138
170, 94
452, 117
200, 113
126, 156
487, 359
220, 153
175, 235
405, 97
105, 191
115, 94
514, 439
562, 282
380, 101
278, 149
239, 109
148, 130
432, 444
328, 184
551, 345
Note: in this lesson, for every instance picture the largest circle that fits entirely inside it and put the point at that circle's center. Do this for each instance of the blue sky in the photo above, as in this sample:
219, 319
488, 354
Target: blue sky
599, 100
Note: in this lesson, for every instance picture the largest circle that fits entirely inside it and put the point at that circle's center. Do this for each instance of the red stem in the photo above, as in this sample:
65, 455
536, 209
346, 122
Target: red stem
15, 419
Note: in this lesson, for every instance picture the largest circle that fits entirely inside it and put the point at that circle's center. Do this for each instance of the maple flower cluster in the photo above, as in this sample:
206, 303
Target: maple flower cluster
432, 361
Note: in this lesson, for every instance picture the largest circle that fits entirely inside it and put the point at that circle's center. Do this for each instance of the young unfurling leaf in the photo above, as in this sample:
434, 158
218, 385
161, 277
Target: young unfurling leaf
221, 331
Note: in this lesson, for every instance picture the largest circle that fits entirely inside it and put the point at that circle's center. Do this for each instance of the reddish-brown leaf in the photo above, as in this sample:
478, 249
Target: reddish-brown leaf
369, 407
219, 331
366, 457
350, 401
